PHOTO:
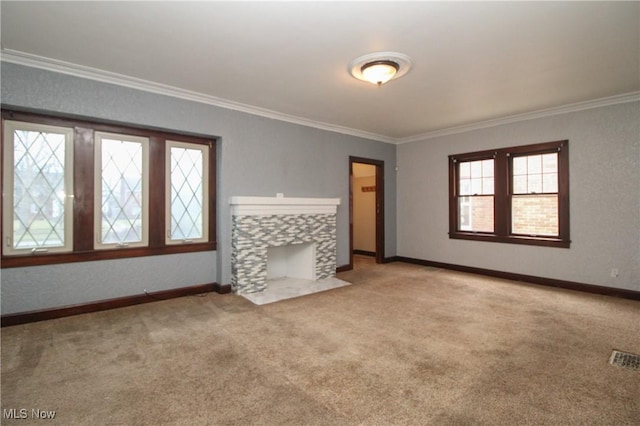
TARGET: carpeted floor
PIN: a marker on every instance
(403, 345)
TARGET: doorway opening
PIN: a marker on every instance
(366, 208)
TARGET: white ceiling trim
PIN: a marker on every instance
(54, 65)
(36, 61)
(579, 106)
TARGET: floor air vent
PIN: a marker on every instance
(625, 360)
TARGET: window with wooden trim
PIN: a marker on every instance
(187, 192)
(513, 195)
(476, 200)
(77, 190)
(37, 188)
(121, 191)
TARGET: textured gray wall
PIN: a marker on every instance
(51, 286)
(256, 156)
(604, 167)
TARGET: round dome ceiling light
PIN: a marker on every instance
(379, 68)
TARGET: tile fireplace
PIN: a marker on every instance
(278, 237)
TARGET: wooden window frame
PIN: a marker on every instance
(9, 176)
(481, 156)
(84, 182)
(144, 145)
(502, 195)
(205, 185)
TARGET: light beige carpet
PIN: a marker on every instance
(402, 345)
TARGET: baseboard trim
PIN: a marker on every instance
(365, 253)
(222, 288)
(550, 282)
(344, 268)
(103, 305)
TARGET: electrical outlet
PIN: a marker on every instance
(615, 272)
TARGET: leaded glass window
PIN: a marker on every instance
(77, 190)
(38, 186)
(122, 187)
(187, 192)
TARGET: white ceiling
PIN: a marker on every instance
(473, 61)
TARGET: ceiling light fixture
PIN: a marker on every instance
(379, 72)
(379, 68)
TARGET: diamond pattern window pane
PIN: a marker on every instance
(187, 192)
(38, 189)
(122, 196)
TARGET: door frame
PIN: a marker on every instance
(379, 165)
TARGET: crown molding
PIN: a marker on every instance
(62, 67)
(579, 106)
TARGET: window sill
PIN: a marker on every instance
(95, 255)
(532, 241)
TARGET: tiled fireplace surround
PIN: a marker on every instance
(262, 222)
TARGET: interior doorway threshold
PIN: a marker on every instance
(288, 288)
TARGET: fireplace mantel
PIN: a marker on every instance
(255, 206)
